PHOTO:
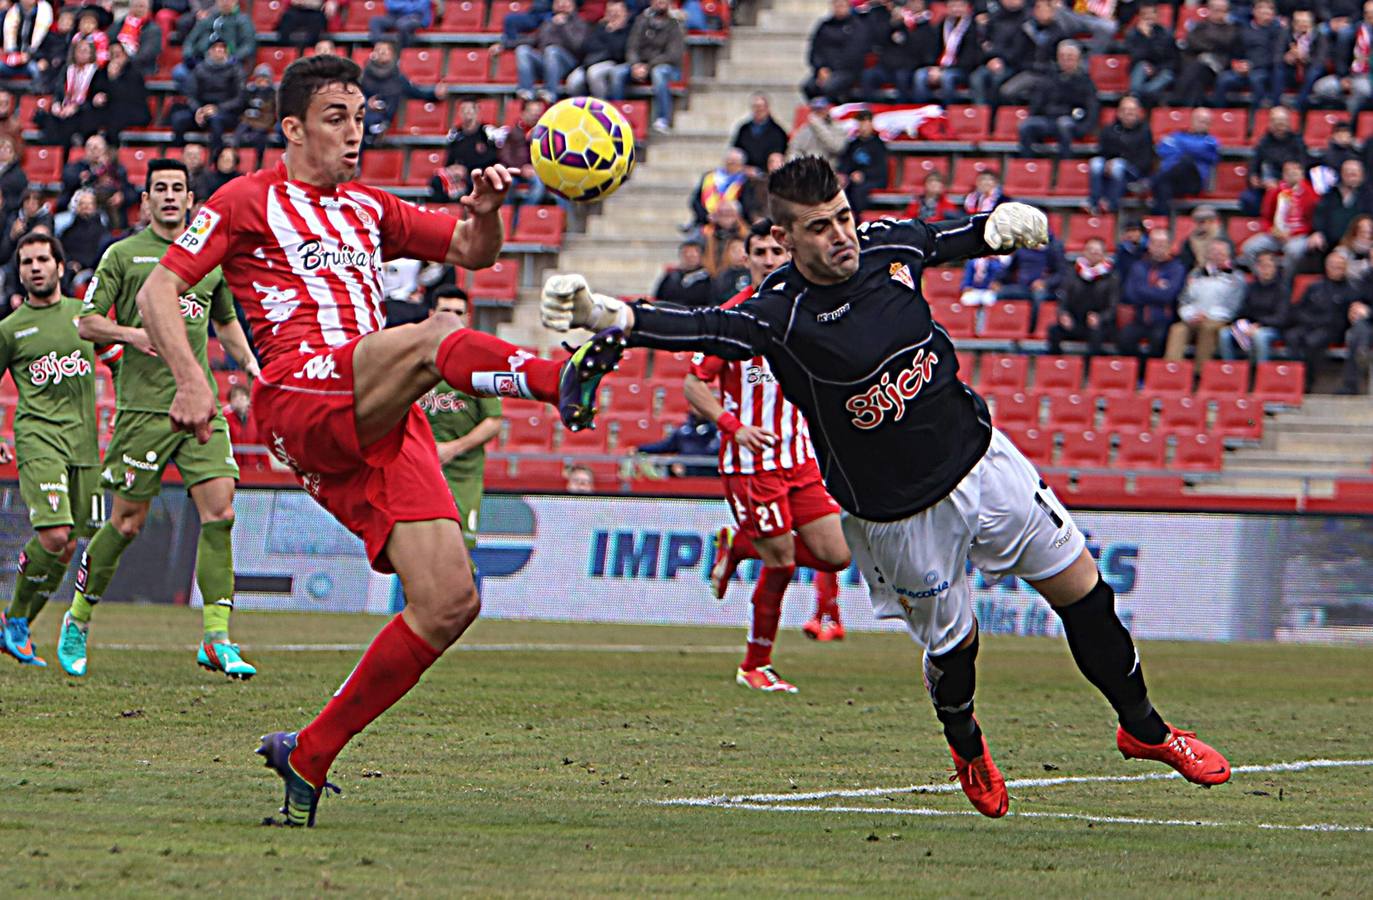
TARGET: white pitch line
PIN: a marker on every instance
(944, 787)
(465, 648)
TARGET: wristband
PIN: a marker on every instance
(728, 424)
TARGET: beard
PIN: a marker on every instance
(42, 293)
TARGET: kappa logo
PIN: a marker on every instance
(517, 359)
(319, 368)
(891, 394)
(902, 273)
(193, 239)
(833, 315)
(277, 303)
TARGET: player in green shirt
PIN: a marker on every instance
(54, 434)
(463, 425)
(144, 441)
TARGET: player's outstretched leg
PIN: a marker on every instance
(951, 679)
(757, 672)
(825, 624)
(98, 564)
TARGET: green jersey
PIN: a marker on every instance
(54, 372)
(453, 414)
(144, 383)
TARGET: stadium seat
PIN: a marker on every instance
(1181, 414)
(1299, 285)
(1279, 383)
(1197, 451)
(278, 58)
(422, 65)
(626, 396)
(670, 400)
(1058, 374)
(1111, 73)
(1036, 443)
(266, 14)
(505, 69)
(915, 168)
(1238, 417)
(1005, 373)
(966, 169)
(1074, 178)
(1100, 484)
(1167, 378)
(1048, 314)
(1128, 414)
(941, 284)
(955, 318)
(1222, 378)
(1112, 376)
(633, 364)
(1072, 411)
(1230, 181)
(135, 161)
(466, 16)
(360, 12)
(425, 117)
(1087, 449)
(588, 440)
(636, 114)
(502, 8)
(1008, 122)
(532, 431)
(497, 283)
(540, 225)
(670, 366)
(1164, 121)
(1017, 408)
(469, 67)
(1083, 227)
(1161, 487)
(1241, 228)
(1320, 124)
(1140, 450)
(969, 123)
(43, 165)
(1028, 177)
(967, 366)
(381, 167)
(540, 474)
(633, 431)
(1229, 126)
(1007, 320)
(422, 165)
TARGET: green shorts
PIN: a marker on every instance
(144, 443)
(58, 494)
(467, 494)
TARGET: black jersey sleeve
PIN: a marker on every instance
(737, 333)
(939, 242)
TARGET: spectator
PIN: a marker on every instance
(1004, 47)
(324, 47)
(733, 275)
(688, 284)
(654, 57)
(90, 20)
(694, 437)
(1095, 17)
(400, 21)
(178, 17)
(100, 172)
(1153, 56)
(581, 480)
(68, 114)
(225, 170)
(723, 185)
(119, 96)
(215, 88)
(760, 136)
(986, 194)
(1321, 316)
(819, 135)
(52, 54)
(1357, 247)
(227, 23)
(303, 22)
(193, 156)
(754, 202)
(1206, 226)
(385, 86)
(1258, 60)
(904, 40)
(1208, 49)
(1278, 145)
(1306, 55)
(238, 412)
(1186, 160)
(1151, 290)
(863, 165)
(605, 50)
(932, 204)
(527, 189)
(256, 110)
(141, 36)
(1357, 341)
(11, 123)
(32, 213)
(554, 52)
(838, 46)
(725, 224)
(1208, 304)
(1340, 148)
(1261, 317)
(958, 54)
(1288, 218)
(13, 181)
(1090, 294)
(1065, 105)
(1037, 55)
(1353, 68)
(981, 280)
(516, 24)
(1033, 274)
(472, 145)
(1132, 248)
(85, 237)
(1126, 155)
(26, 24)
(1340, 205)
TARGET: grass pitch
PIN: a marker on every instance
(537, 767)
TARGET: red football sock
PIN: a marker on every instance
(394, 661)
(827, 594)
(808, 560)
(478, 363)
(767, 613)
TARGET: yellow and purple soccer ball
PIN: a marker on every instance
(582, 149)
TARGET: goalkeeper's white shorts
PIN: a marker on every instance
(1001, 516)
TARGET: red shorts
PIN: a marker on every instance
(304, 410)
(768, 504)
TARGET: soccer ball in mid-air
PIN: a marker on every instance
(582, 148)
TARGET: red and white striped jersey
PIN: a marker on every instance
(750, 391)
(305, 262)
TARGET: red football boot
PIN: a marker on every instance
(1195, 760)
(982, 782)
(823, 628)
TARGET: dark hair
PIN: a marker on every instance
(448, 292)
(805, 181)
(165, 165)
(38, 237)
(235, 388)
(760, 229)
(308, 76)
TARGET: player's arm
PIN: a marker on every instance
(194, 404)
(100, 329)
(484, 432)
(704, 403)
(235, 343)
(95, 324)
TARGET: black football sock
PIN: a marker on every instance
(1104, 652)
(951, 679)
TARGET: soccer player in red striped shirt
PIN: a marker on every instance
(302, 246)
(773, 486)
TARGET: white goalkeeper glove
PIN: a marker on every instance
(569, 303)
(1013, 225)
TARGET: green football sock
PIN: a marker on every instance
(56, 572)
(97, 568)
(34, 564)
(214, 575)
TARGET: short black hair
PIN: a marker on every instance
(308, 76)
(165, 165)
(39, 237)
(448, 292)
(761, 228)
(805, 181)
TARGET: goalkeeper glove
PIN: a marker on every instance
(1013, 225)
(569, 303)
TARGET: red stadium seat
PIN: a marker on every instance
(1048, 314)
(1017, 408)
(1197, 452)
(1161, 487)
(1164, 121)
(955, 318)
(532, 431)
(636, 114)
(422, 166)
(1128, 414)
(1222, 378)
(1083, 227)
(942, 284)
(967, 366)
(588, 440)
(1320, 124)
(669, 366)
(540, 474)
(633, 364)
(360, 12)
(1073, 178)
(43, 165)
(278, 58)
(1180, 415)
(626, 396)
(1140, 450)
(1280, 383)
(505, 69)
(1239, 417)
(1087, 449)
(135, 161)
(915, 168)
(381, 167)
(502, 8)
(633, 431)
(966, 169)
(1229, 126)
(1230, 181)
(425, 117)
(469, 67)
(1028, 177)
(462, 16)
(1241, 228)
(422, 65)
(1111, 73)
(541, 225)
(1007, 320)
(1008, 121)
(969, 123)
(497, 283)
(1005, 373)
(1100, 484)
(1058, 374)
(1036, 443)
(1300, 284)
(1112, 376)
(1072, 411)
(266, 14)
(1167, 378)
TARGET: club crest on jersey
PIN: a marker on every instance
(902, 273)
(193, 239)
(891, 393)
(54, 368)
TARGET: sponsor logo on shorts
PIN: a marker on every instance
(54, 368)
(925, 594)
(148, 464)
(319, 368)
(833, 315)
(193, 239)
(58, 486)
(1065, 537)
(891, 393)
